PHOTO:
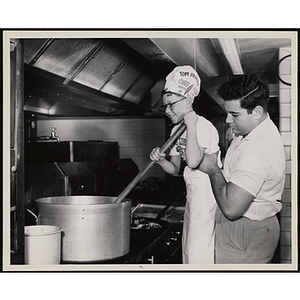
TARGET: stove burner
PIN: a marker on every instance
(144, 224)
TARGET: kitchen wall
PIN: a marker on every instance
(285, 122)
(136, 136)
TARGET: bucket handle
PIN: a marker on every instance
(35, 216)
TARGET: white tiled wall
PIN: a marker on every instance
(136, 137)
(286, 132)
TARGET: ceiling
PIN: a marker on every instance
(124, 77)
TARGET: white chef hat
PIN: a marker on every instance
(183, 80)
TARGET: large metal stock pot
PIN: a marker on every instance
(94, 227)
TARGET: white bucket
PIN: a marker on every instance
(42, 245)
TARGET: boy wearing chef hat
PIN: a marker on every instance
(181, 87)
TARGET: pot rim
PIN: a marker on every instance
(55, 230)
(59, 200)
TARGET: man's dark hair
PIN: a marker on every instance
(249, 89)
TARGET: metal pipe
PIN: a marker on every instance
(39, 138)
(71, 152)
(52, 137)
(56, 138)
(15, 146)
(17, 170)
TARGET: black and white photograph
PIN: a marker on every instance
(150, 150)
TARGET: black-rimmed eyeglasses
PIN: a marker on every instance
(170, 105)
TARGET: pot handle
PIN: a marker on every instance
(135, 207)
(35, 216)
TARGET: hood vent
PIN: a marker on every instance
(103, 75)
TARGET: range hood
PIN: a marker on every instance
(91, 77)
(124, 77)
(97, 77)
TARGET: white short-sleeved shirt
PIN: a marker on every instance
(256, 163)
(207, 137)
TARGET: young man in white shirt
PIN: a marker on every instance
(249, 189)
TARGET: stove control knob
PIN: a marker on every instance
(170, 240)
(176, 232)
(151, 260)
